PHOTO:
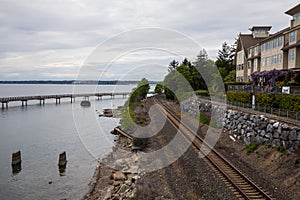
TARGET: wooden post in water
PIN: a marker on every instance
(62, 160)
(16, 158)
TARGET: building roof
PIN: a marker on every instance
(260, 27)
(247, 40)
(293, 10)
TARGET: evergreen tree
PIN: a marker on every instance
(225, 57)
(173, 64)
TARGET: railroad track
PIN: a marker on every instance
(241, 185)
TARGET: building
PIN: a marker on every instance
(262, 51)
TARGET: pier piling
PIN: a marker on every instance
(62, 160)
(16, 158)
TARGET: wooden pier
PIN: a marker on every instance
(42, 98)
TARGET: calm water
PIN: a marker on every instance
(42, 132)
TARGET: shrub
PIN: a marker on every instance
(281, 149)
(203, 119)
(281, 101)
(244, 97)
(251, 147)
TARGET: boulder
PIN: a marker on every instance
(276, 135)
(293, 135)
(275, 125)
(269, 128)
(284, 135)
(119, 176)
(276, 142)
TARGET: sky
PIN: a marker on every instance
(121, 40)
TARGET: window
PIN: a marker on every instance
(262, 62)
(274, 60)
(267, 61)
(255, 64)
(291, 55)
(263, 47)
(249, 64)
(249, 53)
(279, 58)
(296, 16)
(292, 36)
(240, 55)
(275, 43)
(268, 46)
(261, 31)
(280, 41)
(255, 51)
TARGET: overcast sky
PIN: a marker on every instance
(58, 39)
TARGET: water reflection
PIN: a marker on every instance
(16, 169)
(62, 170)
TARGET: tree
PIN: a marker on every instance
(159, 88)
(202, 58)
(225, 59)
(231, 77)
(173, 65)
(143, 88)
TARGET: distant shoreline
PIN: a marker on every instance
(73, 82)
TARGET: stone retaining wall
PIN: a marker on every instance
(250, 127)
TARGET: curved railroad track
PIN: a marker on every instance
(241, 185)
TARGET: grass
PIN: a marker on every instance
(250, 148)
(281, 149)
(203, 119)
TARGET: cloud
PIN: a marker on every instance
(58, 36)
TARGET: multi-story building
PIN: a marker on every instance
(262, 51)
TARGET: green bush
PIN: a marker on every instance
(159, 88)
(251, 147)
(244, 97)
(203, 119)
(281, 149)
(281, 101)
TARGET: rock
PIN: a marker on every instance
(269, 128)
(285, 126)
(108, 194)
(262, 133)
(288, 145)
(247, 140)
(128, 182)
(272, 121)
(135, 178)
(116, 183)
(123, 188)
(259, 139)
(293, 135)
(284, 135)
(276, 135)
(119, 176)
(269, 136)
(275, 125)
(276, 142)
